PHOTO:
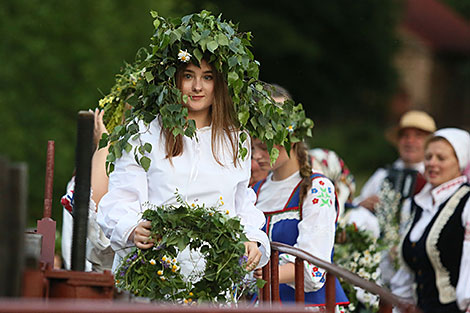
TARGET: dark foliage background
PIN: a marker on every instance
(59, 57)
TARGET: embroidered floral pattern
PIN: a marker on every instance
(323, 194)
(67, 201)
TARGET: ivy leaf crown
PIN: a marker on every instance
(149, 87)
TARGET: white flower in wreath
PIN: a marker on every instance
(184, 56)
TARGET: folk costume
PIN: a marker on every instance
(309, 226)
(195, 175)
(436, 249)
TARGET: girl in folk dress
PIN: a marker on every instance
(300, 209)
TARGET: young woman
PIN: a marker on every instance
(436, 248)
(201, 169)
(302, 214)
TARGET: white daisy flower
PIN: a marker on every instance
(184, 56)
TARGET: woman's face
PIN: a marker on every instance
(441, 164)
(261, 155)
(198, 84)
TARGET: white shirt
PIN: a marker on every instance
(196, 176)
(317, 227)
(429, 200)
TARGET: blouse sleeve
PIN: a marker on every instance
(463, 285)
(251, 217)
(120, 209)
(316, 231)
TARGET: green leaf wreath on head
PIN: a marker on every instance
(153, 91)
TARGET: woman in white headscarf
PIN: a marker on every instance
(436, 248)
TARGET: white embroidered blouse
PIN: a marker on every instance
(195, 175)
(317, 227)
(430, 199)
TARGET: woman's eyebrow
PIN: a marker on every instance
(205, 72)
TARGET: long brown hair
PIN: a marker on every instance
(223, 120)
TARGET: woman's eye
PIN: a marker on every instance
(208, 77)
(187, 76)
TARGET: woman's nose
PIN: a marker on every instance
(431, 161)
(197, 86)
(255, 154)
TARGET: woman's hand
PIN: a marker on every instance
(141, 235)
(253, 254)
(370, 202)
(258, 273)
(99, 128)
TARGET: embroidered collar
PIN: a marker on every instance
(433, 197)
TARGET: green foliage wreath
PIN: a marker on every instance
(150, 87)
(155, 273)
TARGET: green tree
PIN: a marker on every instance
(59, 57)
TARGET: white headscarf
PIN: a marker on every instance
(460, 141)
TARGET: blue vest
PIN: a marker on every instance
(286, 231)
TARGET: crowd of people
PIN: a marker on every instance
(297, 199)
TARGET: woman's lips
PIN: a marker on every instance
(197, 97)
(432, 174)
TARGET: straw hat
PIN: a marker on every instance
(412, 119)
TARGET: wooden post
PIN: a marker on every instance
(330, 293)
(4, 227)
(17, 220)
(299, 280)
(13, 194)
(266, 290)
(83, 154)
(46, 226)
(275, 297)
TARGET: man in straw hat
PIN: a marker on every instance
(409, 137)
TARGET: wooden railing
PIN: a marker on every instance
(270, 292)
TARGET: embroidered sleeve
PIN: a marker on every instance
(316, 230)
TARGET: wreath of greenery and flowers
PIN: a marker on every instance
(150, 87)
(156, 274)
(359, 252)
